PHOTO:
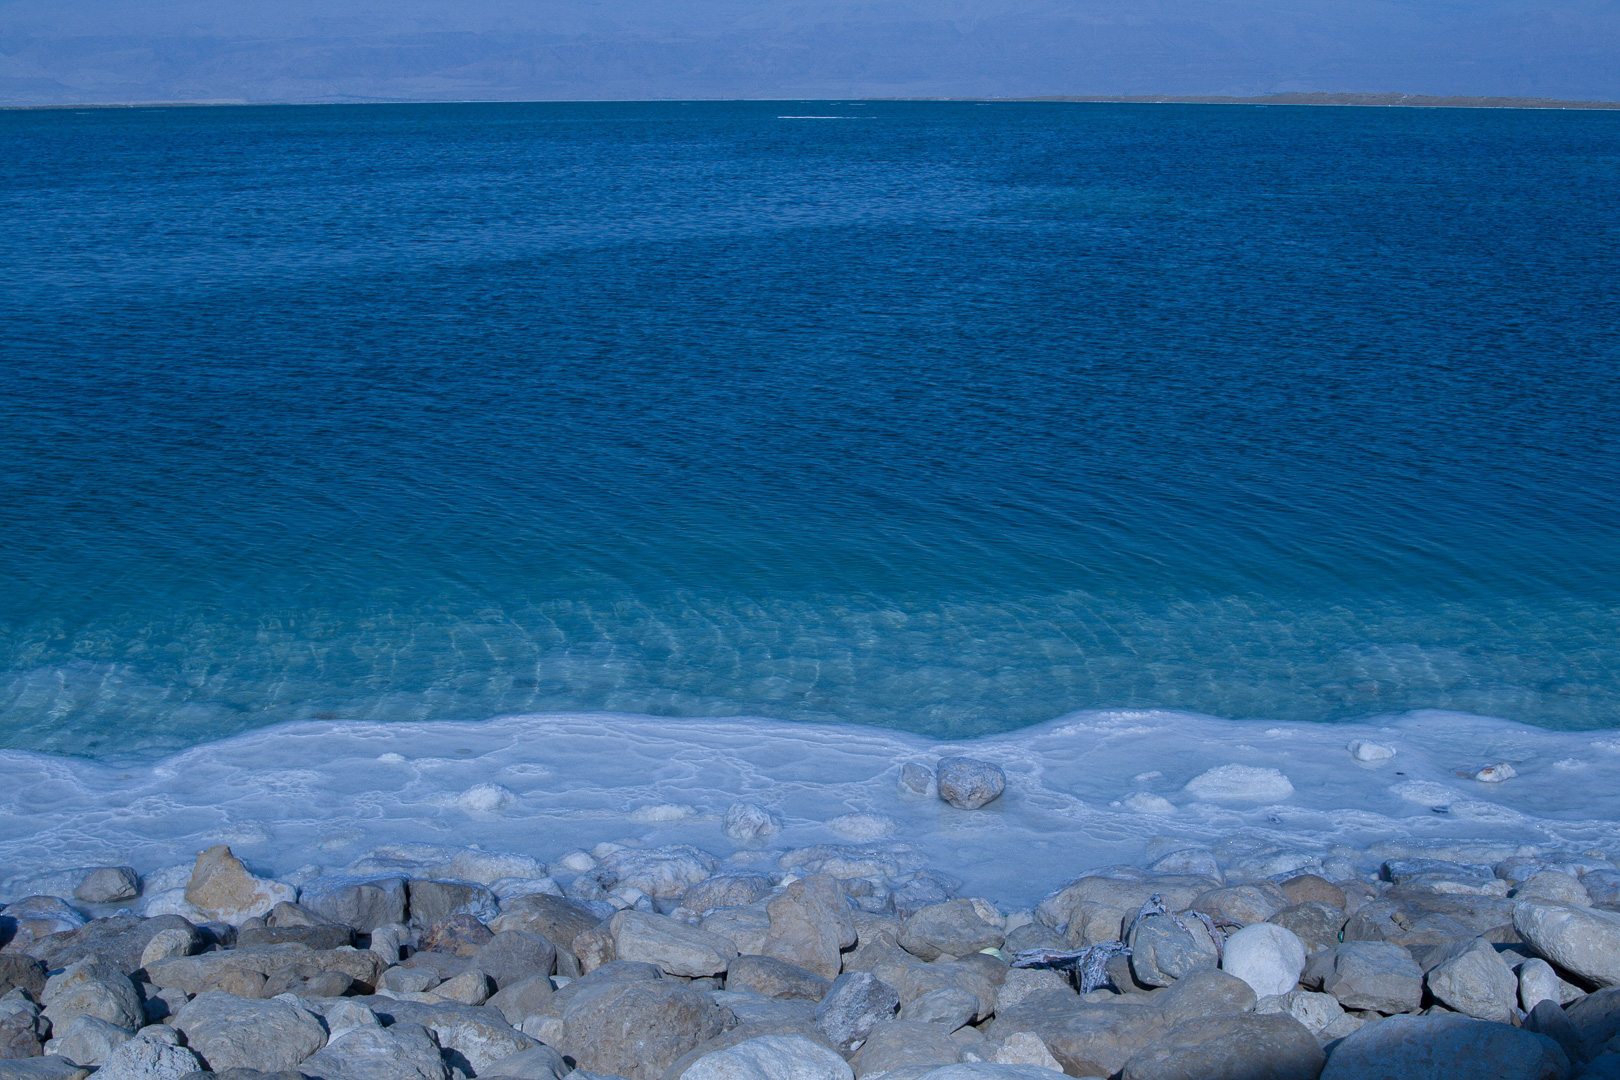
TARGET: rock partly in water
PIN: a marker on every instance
(108, 885)
(746, 822)
(223, 888)
(363, 903)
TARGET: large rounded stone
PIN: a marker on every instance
(957, 927)
(1243, 1047)
(1442, 1046)
(1266, 956)
(230, 1032)
(968, 783)
(1163, 950)
(637, 1029)
(1583, 940)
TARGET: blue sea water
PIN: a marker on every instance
(947, 417)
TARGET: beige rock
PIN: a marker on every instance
(221, 886)
(1025, 1048)
(810, 926)
(675, 947)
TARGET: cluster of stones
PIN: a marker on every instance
(662, 964)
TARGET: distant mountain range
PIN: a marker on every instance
(121, 51)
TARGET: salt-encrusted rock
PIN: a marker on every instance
(1552, 887)
(92, 988)
(1240, 783)
(1266, 956)
(522, 999)
(810, 925)
(1374, 975)
(1585, 941)
(535, 1063)
(895, 1045)
(675, 947)
(1495, 774)
(1316, 925)
(968, 783)
(1317, 1012)
(471, 987)
(857, 1002)
(515, 954)
(431, 901)
(1190, 862)
(34, 919)
(401, 1052)
(230, 1032)
(664, 873)
(147, 1058)
(221, 886)
(923, 890)
(87, 1040)
(745, 822)
(775, 979)
(1251, 902)
(1444, 1045)
(17, 970)
(363, 903)
(108, 885)
(478, 1035)
(770, 1057)
(957, 927)
(950, 1006)
(1024, 1048)
(1373, 753)
(1471, 977)
(916, 779)
(637, 1029)
(726, 890)
(1254, 1047)
(1164, 950)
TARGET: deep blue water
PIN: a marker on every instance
(943, 416)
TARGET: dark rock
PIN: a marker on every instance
(968, 783)
(108, 885)
(857, 1002)
(17, 970)
(119, 941)
(363, 903)
(1444, 1045)
(1243, 1047)
(459, 935)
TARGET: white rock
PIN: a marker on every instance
(1266, 956)
(486, 799)
(749, 821)
(863, 826)
(576, 861)
(771, 1057)
(1240, 783)
(1495, 774)
(146, 1058)
(165, 944)
(1538, 982)
(1369, 751)
(1145, 802)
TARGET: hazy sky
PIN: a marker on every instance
(58, 51)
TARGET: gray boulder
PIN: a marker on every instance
(535, 1063)
(42, 1068)
(1203, 994)
(92, 988)
(120, 941)
(87, 1040)
(775, 979)
(968, 783)
(23, 1030)
(1585, 941)
(231, 1032)
(1163, 950)
(512, 955)
(1318, 1012)
(363, 903)
(144, 1058)
(1471, 977)
(522, 999)
(674, 946)
(896, 1044)
(637, 1029)
(950, 1006)
(432, 900)
(770, 1057)
(956, 927)
(810, 925)
(1444, 1045)
(1243, 1047)
(1375, 975)
(1241, 905)
(857, 1003)
(912, 979)
(108, 885)
(1596, 1019)
(401, 1052)
(195, 974)
(1553, 887)
(989, 1070)
(1549, 1020)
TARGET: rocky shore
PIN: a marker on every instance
(834, 962)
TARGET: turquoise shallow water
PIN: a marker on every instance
(944, 417)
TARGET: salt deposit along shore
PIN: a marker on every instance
(1127, 894)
